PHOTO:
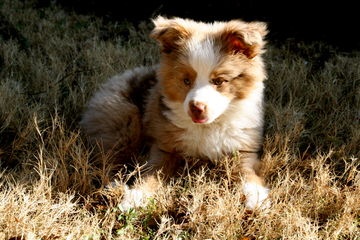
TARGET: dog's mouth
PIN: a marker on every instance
(198, 112)
(198, 116)
(199, 119)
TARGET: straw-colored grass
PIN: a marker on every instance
(51, 186)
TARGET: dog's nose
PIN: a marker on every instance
(197, 107)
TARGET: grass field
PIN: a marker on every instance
(51, 62)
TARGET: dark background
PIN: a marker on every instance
(334, 22)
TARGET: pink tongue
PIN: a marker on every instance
(195, 120)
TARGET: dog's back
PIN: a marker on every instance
(113, 118)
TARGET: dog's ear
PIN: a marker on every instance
(239, 37)
(169, 32)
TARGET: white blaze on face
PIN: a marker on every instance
(203, 58)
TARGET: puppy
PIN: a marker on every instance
(204, 100)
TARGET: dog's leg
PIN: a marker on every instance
(254, 186)
(140, 193)
(160, 165)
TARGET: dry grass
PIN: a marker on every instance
(51, 61)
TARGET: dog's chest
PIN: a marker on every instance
(212, 142)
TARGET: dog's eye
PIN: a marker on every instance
(218, 81)
(187, 81)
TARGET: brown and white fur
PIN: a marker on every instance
(204, 100)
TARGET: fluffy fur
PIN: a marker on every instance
(203, 100)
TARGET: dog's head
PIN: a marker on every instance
(207, 66)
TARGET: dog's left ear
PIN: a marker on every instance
(240, 37)
(169, 32)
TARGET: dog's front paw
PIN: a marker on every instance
(256, 196)
(134, 198)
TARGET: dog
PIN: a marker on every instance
(204, 100)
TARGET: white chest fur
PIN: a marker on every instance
(217, 140)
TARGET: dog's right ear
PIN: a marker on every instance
(244, 38)
(169, 32)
